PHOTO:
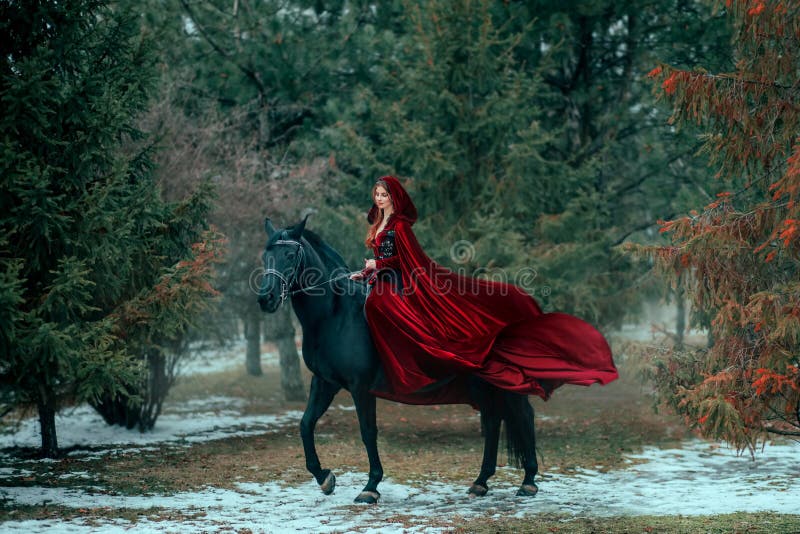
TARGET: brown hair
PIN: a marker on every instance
(373, 229)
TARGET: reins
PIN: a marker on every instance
(286, 284)
(345, 275)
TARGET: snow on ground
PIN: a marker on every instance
(204, 359)
(699, 479)
(655, 332)
(211, 418)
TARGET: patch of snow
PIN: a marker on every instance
(210, 419)
(654, 332)
(211, 404)
(202, 359)
(698, 479)
(75, 474)
(8, 472)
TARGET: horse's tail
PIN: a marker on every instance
(520, 432)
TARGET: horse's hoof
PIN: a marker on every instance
(329, 484)
(476, 490)
(368, 497)
(528, 490)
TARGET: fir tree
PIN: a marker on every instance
(527, 130)
(738, 256)
(452, 107)
(96, 272)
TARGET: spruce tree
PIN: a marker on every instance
(529, 132)
(96, 272)
(737, 257)
(451, 106)
(248, 84)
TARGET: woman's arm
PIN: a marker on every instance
(369, 267)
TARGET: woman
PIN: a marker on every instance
(432, 326)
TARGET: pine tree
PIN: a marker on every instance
(738, 256)
(623, 163)
(528, 131)
(451, 106)
(249, 84)
(96, 272)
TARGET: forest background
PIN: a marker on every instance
(145, 142)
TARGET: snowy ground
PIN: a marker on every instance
(700, 478)
(212, 359)
(213, 418)
(696, 480)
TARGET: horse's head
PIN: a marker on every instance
(283, 261)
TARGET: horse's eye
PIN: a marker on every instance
(290, 255)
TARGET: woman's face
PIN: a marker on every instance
(382, 198)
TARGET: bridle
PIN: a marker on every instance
(287, 283)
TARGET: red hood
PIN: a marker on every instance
(403, 206)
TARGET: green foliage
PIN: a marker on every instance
(451, 105)
(528, 130)
(85, 230)
(738, 257)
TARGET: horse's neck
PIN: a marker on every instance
(315, 305)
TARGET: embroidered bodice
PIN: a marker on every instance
(386, 249)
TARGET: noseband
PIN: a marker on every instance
(287, 283)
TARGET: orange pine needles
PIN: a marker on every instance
(739, 258)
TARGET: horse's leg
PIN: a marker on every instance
(523, 419)
(366, 410)
(319, 399)
(491, 428)
(487, 400)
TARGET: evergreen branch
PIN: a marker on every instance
(729, 77)
(282, 6)
(648, 175)
(201, 28)
(783, 432)
(359, 21)
(248, 72)
(638, 228)
(205, 94)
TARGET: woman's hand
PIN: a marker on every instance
(369, 264)
(357, 276)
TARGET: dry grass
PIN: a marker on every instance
(761, 523)
(593, 427)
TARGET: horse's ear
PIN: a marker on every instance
(268, 227)
(298, 228)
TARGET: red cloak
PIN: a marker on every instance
(438, 326)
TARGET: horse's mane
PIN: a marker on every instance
(327, 253)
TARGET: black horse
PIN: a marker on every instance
(338, 350)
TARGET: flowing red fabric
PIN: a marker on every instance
(441, 326)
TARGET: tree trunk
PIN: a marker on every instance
(680, 319)
(152, 390)
(159, 381)
(252, 333)
(47, 422)
(282, 331)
